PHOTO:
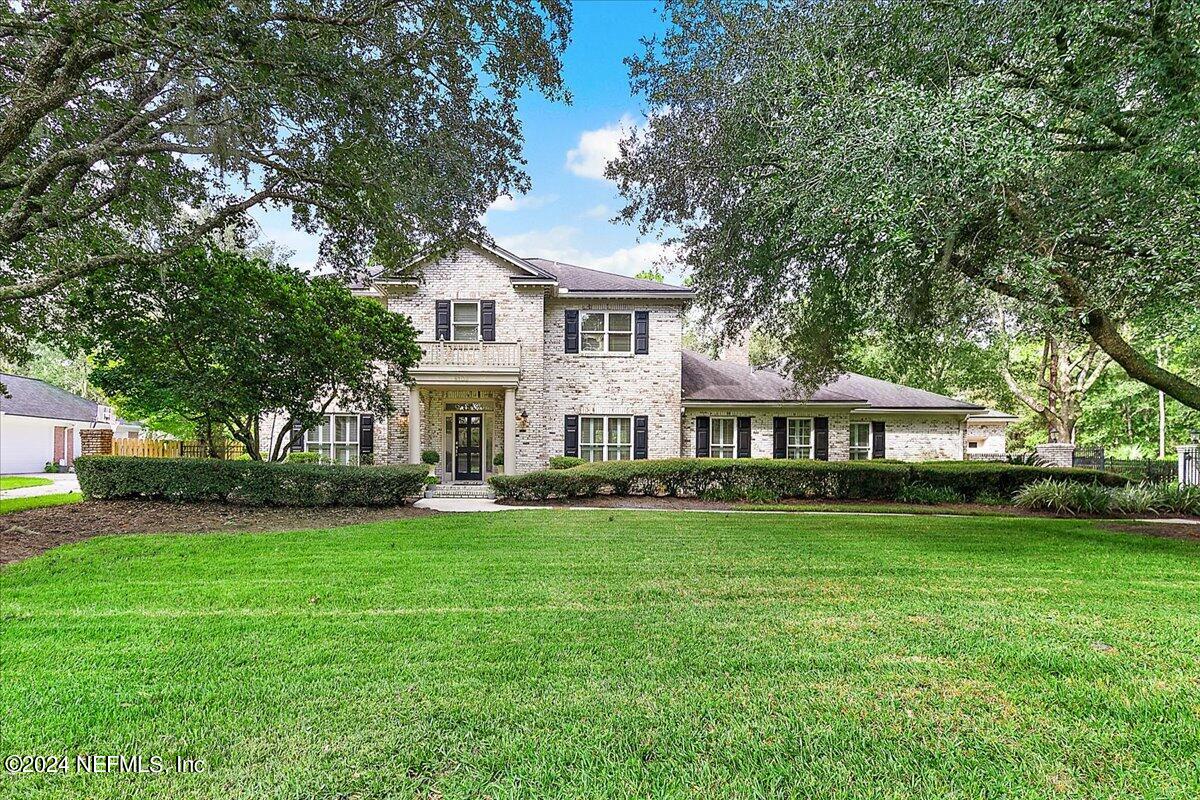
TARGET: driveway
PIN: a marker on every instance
(63, 483)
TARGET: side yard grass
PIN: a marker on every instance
(21, 482)
(38, 501)
(614, 654)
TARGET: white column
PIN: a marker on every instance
(510, 431)
(414, 425)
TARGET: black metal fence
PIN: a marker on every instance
(1149, 470)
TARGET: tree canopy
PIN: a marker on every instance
(222, 339)
(130, 129)
(843, 166)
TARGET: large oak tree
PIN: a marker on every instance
(129, 129)
(834, 163)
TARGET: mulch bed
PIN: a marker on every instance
(24, 534)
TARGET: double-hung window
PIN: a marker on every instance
(464, 320)
(335, 439)
(722, 442)
(860, 441)
(799, 437)
(606, 332)
(606, 438)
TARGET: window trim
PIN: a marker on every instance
(333, 442)
(606, 440)
(868, 448)
(607, 333)
(812, 440)
(712, 439)
(454, 304)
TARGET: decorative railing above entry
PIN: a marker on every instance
(471, 355)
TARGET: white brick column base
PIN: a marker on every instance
(1056, 454)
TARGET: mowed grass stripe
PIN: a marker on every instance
(616, 655)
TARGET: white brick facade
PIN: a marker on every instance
(549, 384)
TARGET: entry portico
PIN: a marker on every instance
(469, 389)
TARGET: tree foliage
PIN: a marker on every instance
(223, 339)
(130, 129)
(841, 166)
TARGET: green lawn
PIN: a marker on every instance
(615, 654)
(38, 501)
(21, 482)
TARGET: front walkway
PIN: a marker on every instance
(63, 483)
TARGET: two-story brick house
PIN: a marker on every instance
(526, 358)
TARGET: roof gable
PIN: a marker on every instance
(29, 397)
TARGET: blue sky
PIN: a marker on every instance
(566, 214)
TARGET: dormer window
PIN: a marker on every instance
(464, 321)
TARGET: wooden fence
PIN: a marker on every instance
(174, 448)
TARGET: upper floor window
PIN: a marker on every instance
(722, 437)
(860, 441)
(464, 321)
(335, 439)
(606, 438)
(606, 332)
(799, 438)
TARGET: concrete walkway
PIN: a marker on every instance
(467, 504)
(63, 483)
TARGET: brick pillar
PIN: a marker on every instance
(96, 442)
(1056, 454)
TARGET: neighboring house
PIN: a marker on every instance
(986, 434)
(40, 423)
(527, 358)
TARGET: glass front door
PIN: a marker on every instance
(468, 447)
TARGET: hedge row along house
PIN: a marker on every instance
(528, 358)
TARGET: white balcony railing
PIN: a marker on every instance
(471, 355)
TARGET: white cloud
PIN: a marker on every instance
(505, 202)
(632, 260)
(596, 148)
(559, 244)
(600, 211)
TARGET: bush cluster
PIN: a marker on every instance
(565, 462)
(768, 479)
(1062, 497)
(247, 482)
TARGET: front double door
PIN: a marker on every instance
(468, 447)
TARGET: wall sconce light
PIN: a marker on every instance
(522, 420)
(402, 423)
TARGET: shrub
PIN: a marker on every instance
(498, 459)
(925, 494)
(304, 457)
(51, 467)
(1146, 498)
(768, 479)
(565, 462)
(430, 457)
(247, 482)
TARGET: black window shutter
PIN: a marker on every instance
(701, 437)
(641, 333)
(878, 440)
(366, 438)
(442, 319)
(779, 438)
(571, 435)
(641, 438)
(487, 320)
(298, 433)
(571, 339)
(821, 438)
(743, 437)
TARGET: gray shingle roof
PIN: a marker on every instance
(29, 397)
(706, 379)
(574, 278)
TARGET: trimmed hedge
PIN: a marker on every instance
(565, 462)
(768, 479)
(249, 483)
